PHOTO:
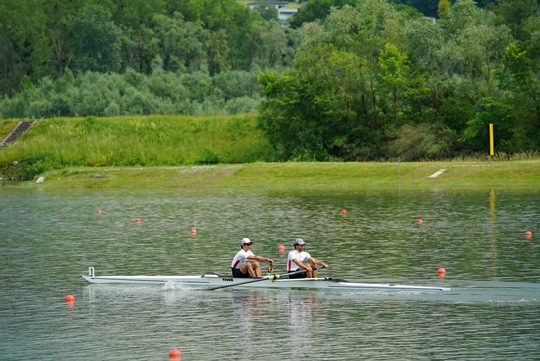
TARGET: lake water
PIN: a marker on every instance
(48, 239)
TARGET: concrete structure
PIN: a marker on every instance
(284, 13)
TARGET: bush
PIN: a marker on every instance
(209, 157)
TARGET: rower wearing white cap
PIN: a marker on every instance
(296, 259)
(242, 267)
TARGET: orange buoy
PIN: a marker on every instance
(99, 211)
(175, 353)
(281, 248)
(70, 298)
(343, 211)
(441, 271)
(137, 220)
(528, 234)
(193, 231)
(420, 221)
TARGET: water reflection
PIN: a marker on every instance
(48, 239)
(304, 309)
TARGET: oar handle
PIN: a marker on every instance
(239, 284)
(270, 277)
(287, 275)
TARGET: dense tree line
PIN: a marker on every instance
(319, 9)
(41, 39)
(347, 80)
(374, 82)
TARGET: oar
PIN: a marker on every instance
(269, 277)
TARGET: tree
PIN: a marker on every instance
(521, 76)
(316, 111)
(515, 13)
(504, 123)
(183, 44)
(475, 47)
(24, 43)
(443, 8)
(317, 10)
(394, 75)
(96, 40)
(266, 10)
(428, 8)
(57, 25)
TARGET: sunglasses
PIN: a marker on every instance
(248, 244)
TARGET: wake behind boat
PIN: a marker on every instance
(212, 281)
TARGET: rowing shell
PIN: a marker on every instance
(215, 281)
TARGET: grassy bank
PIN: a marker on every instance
(146, 141)
(511, 175)
(176, 152)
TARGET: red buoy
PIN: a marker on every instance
(99, 211)
(175, 353)
(137, 220)
(441, 271)
(344, 211)
(70, 298)
(528, 234)
(420, 221)
(193, 231)
(281, 248)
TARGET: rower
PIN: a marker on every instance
(242, 266)
(296, 259)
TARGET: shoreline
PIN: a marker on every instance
(452, 175)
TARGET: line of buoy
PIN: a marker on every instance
(138, 220)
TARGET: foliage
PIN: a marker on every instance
(133, 93)
(426, 92)
(422, 141)
(95, 40)
(44, 38)
(504, 123)
(443, 7)
(266, 10)
(344, 82)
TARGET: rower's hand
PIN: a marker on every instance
(271, 261)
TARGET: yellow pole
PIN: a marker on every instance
(491, 147)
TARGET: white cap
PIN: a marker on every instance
(246, 240)
(299, 241)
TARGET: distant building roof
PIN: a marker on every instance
(284, 13)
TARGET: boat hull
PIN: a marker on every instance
(211, 281)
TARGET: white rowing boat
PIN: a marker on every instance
(214, 281)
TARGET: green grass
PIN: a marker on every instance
(6, 127)
(177, 152)
(464, 175)
(139, 141)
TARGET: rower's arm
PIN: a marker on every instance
(320, 263)
(261, 259)
(299, 264)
